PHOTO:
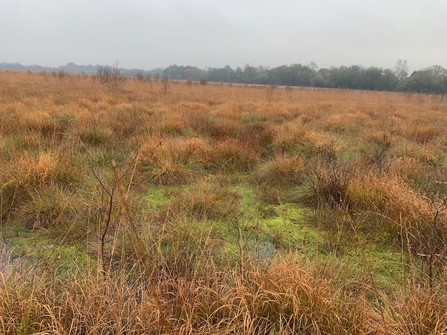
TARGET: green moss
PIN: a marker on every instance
(289, 231)
(248, 203)
(157, 196)
(272, 228)
(388, 266)
(39, 251)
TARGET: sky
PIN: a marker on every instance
(149, 34)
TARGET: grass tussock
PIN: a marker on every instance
(282, 170)
(169, 162)
(208, 199)
(28, 177)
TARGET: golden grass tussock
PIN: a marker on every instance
(167, 169)
(426, 154)
(383, 195)
(207, 199)
(212, 125)
(35, 170)
(50, 208)
(24, 175)
(295, 138)
(171, 161)
(341, 122)
(282, 170)
(203, 174)
(232, 156)
(38, 191)
(420, 131)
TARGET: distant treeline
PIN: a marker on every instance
(429, 80)
(71, 68)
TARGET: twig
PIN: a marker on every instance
(140, 247)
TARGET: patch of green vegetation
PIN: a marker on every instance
(157, 196)
(289, 231)
(381, 266)
(389, 266)
(28, 141)
(267, 229)
(37, 250)
(248, 202)
(285, 228)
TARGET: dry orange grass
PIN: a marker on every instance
(367, 155)
(286, 297)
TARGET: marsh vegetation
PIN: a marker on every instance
(173, 207)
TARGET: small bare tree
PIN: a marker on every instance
(139, 75)
(165, 84)
(269, 93)
(111, 77)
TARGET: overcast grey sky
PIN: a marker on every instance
(213, 33)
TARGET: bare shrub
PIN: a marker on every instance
(165, 85)
(328, 182)
(139, 75)
(61, 74)
(269, 93)
(427, 229)
(111, 77)
(379, 155)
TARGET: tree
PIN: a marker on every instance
(373, 78)
(401, 69)
(239, 75)
(388, 81)
(313, 66)
(231, 76)
(317, 80)
(250, 74)
(437, 70)
(429, 80)
(305, 76)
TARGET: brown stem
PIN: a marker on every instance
(140, 248)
